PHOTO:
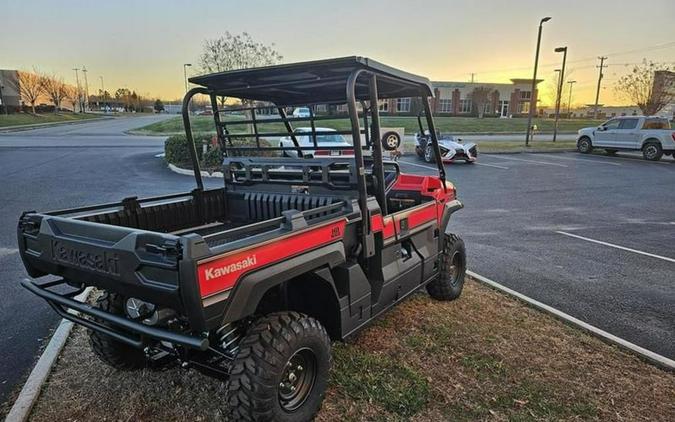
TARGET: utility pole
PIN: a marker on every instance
(597, 92)
(102, 94)
(472, 75)
(533, 103)
(86, 89)
(569, 102)
(79, 90)
(560, 85)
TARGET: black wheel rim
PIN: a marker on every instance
(297, 380)
(455, 267)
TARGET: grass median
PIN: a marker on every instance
(443, 123)
(482, 357)
(21, 119)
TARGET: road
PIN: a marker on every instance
(593, 236)
(62, 167)
(531, 222)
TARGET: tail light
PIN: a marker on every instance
(321, 152)
(347, 152)
(672, 135)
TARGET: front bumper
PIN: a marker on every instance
(117, 327)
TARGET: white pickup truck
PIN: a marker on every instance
(652, 135)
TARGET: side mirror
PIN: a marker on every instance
(601, 128)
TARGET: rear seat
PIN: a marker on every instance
(264, 206)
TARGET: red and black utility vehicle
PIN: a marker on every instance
(251, 281)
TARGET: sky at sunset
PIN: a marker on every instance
(142, 45)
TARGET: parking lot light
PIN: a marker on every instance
(185, 66)
(560, 85)
(533, 104)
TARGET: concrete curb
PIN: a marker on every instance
(10, 129)
(188, 172)
(647, 355)
(23, 405)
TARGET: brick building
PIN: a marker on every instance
(454, 99)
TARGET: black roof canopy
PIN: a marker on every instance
(312, 82)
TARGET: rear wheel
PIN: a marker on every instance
(652, 151)
(452, 270)
(281, 370)
(429, 154)
(584, 145)
(114, 353)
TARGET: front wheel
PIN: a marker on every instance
(652, 151)
(429, 156)
(281, 370)
(584, 145)
(451, 270)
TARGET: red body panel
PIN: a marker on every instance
(222, 273)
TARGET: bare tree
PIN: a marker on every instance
(72, 95)
(480, 97)
(55, 89)
(649, 85)
(30, 87)
(230, 52)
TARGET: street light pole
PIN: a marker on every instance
(569, 102)
(86, 89)
(533, 104)
(79, 90)
(185, 66)
(560, 84)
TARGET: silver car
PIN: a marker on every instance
(304, 137)
(452, 148)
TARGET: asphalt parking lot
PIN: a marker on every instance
(593, 236)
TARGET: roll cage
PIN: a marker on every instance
(352, 81)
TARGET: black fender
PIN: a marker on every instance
(252, 287)
(450, 208)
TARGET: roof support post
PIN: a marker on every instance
(378, 168)
(368, 243)
(289, 129)
(192, 149)
(434, 140)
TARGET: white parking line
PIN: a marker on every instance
(7, 252)
(612, 245)
(529, 161)
(491, 165)
(418, 165)
(580, 159)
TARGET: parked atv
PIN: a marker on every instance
(451, 148)
(252, 281)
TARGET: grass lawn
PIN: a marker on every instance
(507, 146)
(18, 119)
(482, 357)
(445, 124)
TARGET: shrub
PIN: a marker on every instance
(176, 150)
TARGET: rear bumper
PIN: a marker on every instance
(115, 326)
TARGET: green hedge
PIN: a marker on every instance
(176, 150)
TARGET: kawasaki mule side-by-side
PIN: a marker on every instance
(250, 282)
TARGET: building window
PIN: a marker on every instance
(487, 108)
(383, 106)
(445, 105)
(403, 105)
(525, 95)
(524, 107)
(465, 106)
